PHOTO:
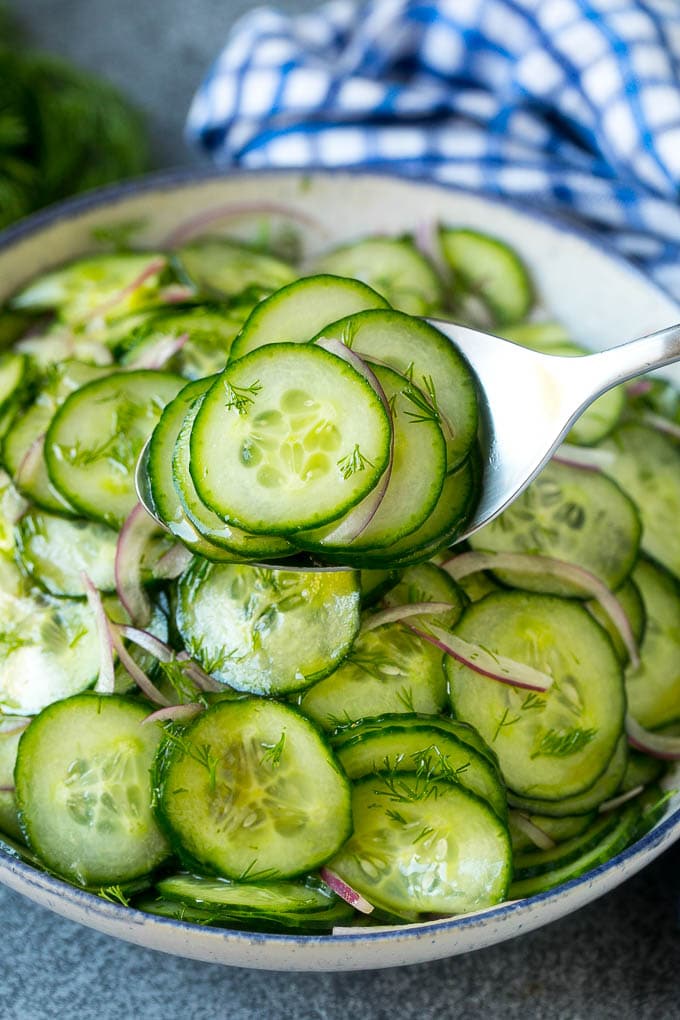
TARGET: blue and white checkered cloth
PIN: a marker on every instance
(573, 104)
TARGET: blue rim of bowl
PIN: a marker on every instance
(663, 833)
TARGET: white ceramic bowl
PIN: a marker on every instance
(600, 298)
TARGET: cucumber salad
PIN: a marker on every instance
(288, 701)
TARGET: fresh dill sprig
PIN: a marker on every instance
(562, 743)
(202, 754)
(239, 398)
(424, 401)
(353, 462)
(505, 722)
(114, 894)
(273, 752)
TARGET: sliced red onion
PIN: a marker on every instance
(174, 713)
(587, 457)
(175, 294)
(31, 459)
(496, 667)
(426, 238)
(345, 891)
(134, 536)
(105, 680)
(395, 614)
(657, 745)
(623, 798)
(155, 266)
(173, 563)
(135, 670)
(639, 387)
(199, 676)
(232, 211)
(7, 789)
(527, 563)
(661, 424)
(537, 836)
(158, 354)
(357, 520)
(149, 642)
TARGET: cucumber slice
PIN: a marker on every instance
(109, 286)
(20, 449)
(424, 846)
(389, 669)
(55, 551)
(603, 789)
(653, 689)
(488, 270)
(248, 898)
(631, 601)
(557, 829)
(220, 268)
(539, 870)
(298, 311)
(263, 630)
(569, 514)
(416, 481)
(209, 332)
(317, 922)
(553, 744)
(250, 790)
(647, 467)
(374, 584)
(289, 437)
(61, 342)
(426, 582)
(83, 789)
(236, 544)
(13, 377)
(12, 506)
(443, 382)
(94, 440)
(428, 751)
(11, 728)
(392, 266)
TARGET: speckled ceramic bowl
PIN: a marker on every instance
(600, 298)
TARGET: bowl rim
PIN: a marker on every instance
(632, 859)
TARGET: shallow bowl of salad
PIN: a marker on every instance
(285, 721)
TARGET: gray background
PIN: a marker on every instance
(619, 957)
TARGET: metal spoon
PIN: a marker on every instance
(531, 400)
(529, 403)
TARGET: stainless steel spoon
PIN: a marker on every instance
(531, 400)
(529, 403)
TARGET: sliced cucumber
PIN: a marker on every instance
(263, 630)
(251, 791)
(553, 744)
(427, 582)
(486, 269)
(569, 514)
(392, 266)
(389, 669)
(444, 387)
(647, 467)
(208, 333)
(56, 551)
(557, 829)
(108, 286)
(289, 437)
(11, 728)
(94, 440)
(305, 896)
(631, 602)
(298, 311)
(83, 789)
(220, 268)
(653, 689)
(418, 473)
(422, 845)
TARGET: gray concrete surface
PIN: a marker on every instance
(619, 957)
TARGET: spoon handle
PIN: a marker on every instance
(619, 364)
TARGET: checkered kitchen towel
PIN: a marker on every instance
(574, 104)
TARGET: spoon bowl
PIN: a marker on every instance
(529, 402)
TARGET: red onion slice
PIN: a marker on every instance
(357, 520)
(199, 676)
(661, 424)
(657, 745)
(232, 211)
(7, 789)
(537, 836)
(30, 460)
(395, 614)
(147, 641)
(639, 387)
(623, 798)
(105, 680)
(345, 891)
(159, 353)
(134, 536)
(174, 713)
(175, 294)
(586, 457)
(154, 267)
(528, 563)
(173, 563)
(135, 670)
(484, 662)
